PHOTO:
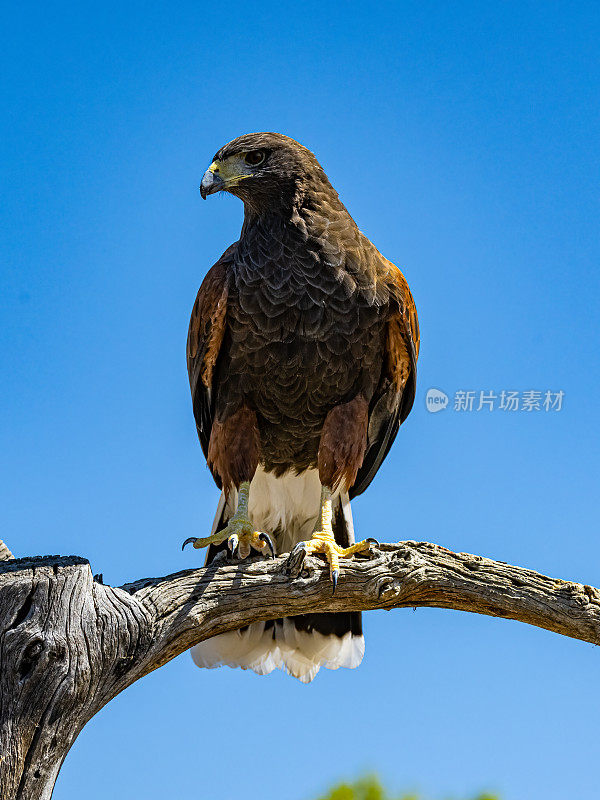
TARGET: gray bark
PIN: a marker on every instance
(5, 553)
(69, 644)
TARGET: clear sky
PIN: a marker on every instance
(464, 140)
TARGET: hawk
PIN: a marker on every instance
(302, 353)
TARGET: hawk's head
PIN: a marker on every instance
(265, 170)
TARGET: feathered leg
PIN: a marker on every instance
(233, 455)
(341, 452)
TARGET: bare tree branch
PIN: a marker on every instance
(5, 553)
(194, 605)
(69, 644)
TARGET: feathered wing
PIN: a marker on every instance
(205, 336)
(395, 392)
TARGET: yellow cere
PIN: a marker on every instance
(232, 170)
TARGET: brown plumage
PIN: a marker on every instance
(343, 442)
(303, 340)
(234, 447)
(311, 313)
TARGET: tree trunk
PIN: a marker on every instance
(69, 644)
(65, 649)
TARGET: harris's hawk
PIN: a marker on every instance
(302, 353)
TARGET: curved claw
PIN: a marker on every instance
(191, 540)
(264, 537)
(372, 541)
(334, 579)
(233, 542)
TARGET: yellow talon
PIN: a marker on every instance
(323, 541)
(239, 532)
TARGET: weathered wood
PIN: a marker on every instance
(5, 553)
(69, 644)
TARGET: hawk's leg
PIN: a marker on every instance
(233, 455)
(341, 452)
(239, 531)
(323, 541)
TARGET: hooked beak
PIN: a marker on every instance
(211, 183)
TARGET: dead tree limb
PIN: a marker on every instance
(5, 553)
(69, 644)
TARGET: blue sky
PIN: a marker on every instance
(464, 140)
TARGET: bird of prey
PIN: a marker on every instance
(302, 352)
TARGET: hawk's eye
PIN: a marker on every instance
(255, 157)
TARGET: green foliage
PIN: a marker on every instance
(370, 788)
(363, 789)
